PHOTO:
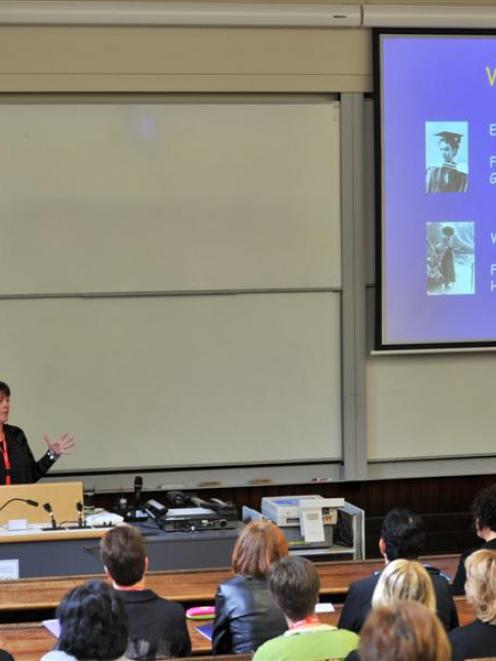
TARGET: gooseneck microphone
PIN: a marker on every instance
(48, 508)
(28, 501)
(138, 487)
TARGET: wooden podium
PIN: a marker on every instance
(62, 496)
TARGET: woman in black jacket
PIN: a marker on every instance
(478, 640)
(245, 612)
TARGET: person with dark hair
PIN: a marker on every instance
(446, 178)
(93, 625)
(294, 582)
(408, 631)
(402, 536)
(17, 464)
(157, 627)
(484, 517)
(245, 612)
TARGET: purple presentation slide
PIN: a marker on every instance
(438, 133)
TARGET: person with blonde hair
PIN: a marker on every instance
(246, 614)
(408, 631)
(402, 536)
(404, 580)
(478, 639)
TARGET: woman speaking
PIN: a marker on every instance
(17, 464)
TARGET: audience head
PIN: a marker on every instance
(408, 631)
(484, 511)
(123, 554)
(404, 580)
(93, 622)
(402, 535)
(259, 545)
(4, 389)
(294, 583)
(480, 586)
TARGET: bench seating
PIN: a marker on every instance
(193, 586)
(28, 642)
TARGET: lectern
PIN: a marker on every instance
(61, 497)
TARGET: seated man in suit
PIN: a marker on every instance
(484, 514)
(402, 536)
(157, 627)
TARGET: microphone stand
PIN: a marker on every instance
(48, 508)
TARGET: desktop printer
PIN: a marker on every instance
(317, 525)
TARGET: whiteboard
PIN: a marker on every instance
(428, 406)
(192, 194)
(177, 380)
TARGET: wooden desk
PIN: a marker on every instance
(27, 642)
(193, 586)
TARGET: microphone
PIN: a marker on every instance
(48, 508)
(79, 507)
(138, 486)
(28, 501)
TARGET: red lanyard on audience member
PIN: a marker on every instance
(310, 619)
(5, 455)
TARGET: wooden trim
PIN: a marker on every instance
(192, 586)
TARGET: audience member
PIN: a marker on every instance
(93, 625)
(406, 632)
(484, 516)
(404, 580)
(5, 656)
(478, 640)
(245, 612)
(157, 627)
(294, 582)
(402, 536)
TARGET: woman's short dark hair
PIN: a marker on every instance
(4, 389)
(295, 584)
(93, 622)
(484, 508)
(123, 553)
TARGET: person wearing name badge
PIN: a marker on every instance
(17, 463)
(294, 582)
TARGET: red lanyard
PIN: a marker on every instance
(5, 455)
(310, 619)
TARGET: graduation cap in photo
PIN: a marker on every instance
(451, 137)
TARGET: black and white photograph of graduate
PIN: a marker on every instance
(450, 258)
(446, 156)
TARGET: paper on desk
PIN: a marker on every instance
(325, 607)
(312, 525)
(53, 627)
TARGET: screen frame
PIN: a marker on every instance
(380, 345)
